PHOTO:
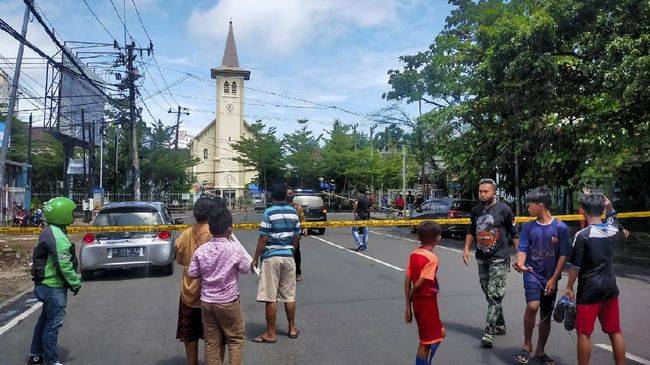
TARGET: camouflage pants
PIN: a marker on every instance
(492, 276)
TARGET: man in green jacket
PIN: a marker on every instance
(54, 271)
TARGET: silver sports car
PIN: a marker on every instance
(122, 250)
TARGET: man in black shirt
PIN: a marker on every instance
(492, 227)
(361, 212)
(410, 199)
(591, 265)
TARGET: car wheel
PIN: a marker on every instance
(320, 231)
(165, 270)
(87, 275)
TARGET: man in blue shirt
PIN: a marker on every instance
(279, 235)
(544, 245)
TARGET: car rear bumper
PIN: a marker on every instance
(99, 255)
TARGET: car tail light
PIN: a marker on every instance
(89, 238)
(164, 235)
(454, 213)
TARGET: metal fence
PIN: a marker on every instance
(171, 199)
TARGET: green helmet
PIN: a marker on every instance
(58, 211)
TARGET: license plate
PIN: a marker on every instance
(126, 252)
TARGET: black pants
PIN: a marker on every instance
(297, 259)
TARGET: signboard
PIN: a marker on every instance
(78, 94)
(2, 131)
(98, 198)
(76, 166)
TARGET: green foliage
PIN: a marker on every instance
(562, 84)
(303, 157)
(263, 152)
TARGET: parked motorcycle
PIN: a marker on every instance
(37, 219)
(20, 216)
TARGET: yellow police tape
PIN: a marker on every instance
(327, 224)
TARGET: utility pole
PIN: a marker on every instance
(12, 103)
(355, 136)
(178, 121)
(115, 166)
(372, 133)
(29, 153)
(403, 170)
(131, 77)
(83, 148)
(101, 155)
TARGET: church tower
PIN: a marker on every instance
(230, 176)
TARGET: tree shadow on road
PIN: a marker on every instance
(505, 355)
(176, 360)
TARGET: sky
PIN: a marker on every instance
(326, 52)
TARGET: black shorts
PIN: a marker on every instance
(190, 325)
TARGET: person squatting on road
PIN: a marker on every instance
(361, 213)
(190, 327)
(54, 271)
(543, 249)
(218, 264)
(421, 292)
(279, 235)
(297, 256)
(492, 227)
(591, 265)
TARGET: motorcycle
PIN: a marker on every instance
(20, 216)
(37, 219)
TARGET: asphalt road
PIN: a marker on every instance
(350, 311)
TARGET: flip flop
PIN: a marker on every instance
(260, 339)
(545, 360)
(522, 356)
(295, 335)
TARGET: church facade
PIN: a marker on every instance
(218, 169)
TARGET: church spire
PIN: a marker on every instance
(230, 58)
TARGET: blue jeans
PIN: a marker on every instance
(46, 332)
(360, 235)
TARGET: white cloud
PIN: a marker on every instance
(282, 25)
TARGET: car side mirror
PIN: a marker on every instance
(178, 221)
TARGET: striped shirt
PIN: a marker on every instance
(280, 224)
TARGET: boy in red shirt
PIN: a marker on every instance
(421, 292)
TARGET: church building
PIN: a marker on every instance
(218, 170)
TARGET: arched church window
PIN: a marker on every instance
(234, 88)
(205, 153)
(226, 87)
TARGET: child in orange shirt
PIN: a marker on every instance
(421, 292)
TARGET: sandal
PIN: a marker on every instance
(522, 356)
(295, 334)
(261, 339)
(545, 360)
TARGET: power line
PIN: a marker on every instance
(126, 30)
(99, 21)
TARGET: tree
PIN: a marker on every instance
(303, 156)
(165, 169)
(263, 152)
(559, 84)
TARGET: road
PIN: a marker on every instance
(350, 311)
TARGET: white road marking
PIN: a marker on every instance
(416, 241)
(19, 318)
(627, 354)
(358, 253)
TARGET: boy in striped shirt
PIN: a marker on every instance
(279, 235)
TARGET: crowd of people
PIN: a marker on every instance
(213, 259)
